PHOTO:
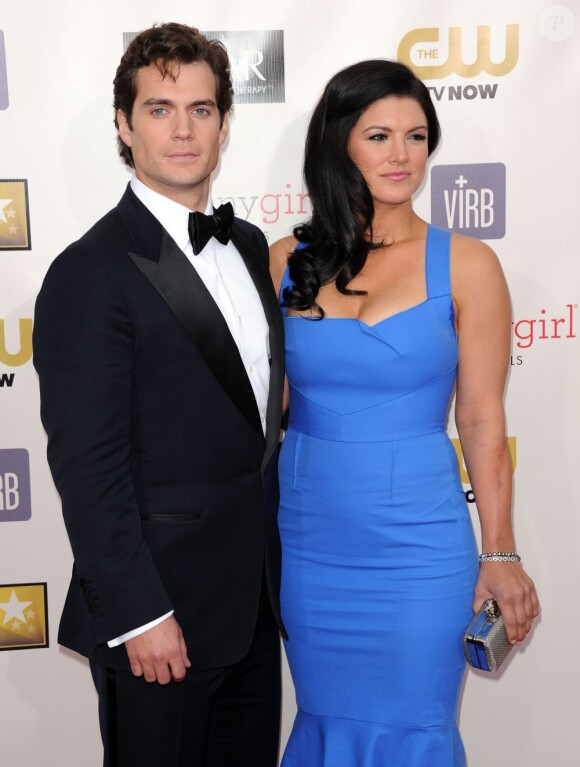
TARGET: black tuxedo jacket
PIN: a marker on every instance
(168, 486)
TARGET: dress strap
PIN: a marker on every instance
(437, 262)
(286, 283)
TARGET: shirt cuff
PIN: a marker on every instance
(135, 633)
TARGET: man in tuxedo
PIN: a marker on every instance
(158, 345)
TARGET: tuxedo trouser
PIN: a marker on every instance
(224, 717)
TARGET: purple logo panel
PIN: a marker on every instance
(15, 503)
(470, 199)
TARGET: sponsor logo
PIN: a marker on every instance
(24, 350)
(470, 199)
(23, 616)
(256, 61)
(463, 475)
(528, 331)
(15, 505)
(433, 58)
(270, 208)
(434, 55)
(3, 74)
(257, 64)
(467, 92)
(14, 218)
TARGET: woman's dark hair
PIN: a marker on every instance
(167, 46)
(336, 237)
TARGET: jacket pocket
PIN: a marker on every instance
(170, 516)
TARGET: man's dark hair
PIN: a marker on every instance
(167, 46)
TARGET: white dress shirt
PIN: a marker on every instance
(223, 272)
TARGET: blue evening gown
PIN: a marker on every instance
(379, 556)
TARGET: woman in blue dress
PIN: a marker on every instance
(384, 316)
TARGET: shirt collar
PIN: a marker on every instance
(172, 216)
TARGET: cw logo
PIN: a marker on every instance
(462, 469)
(25, 352)
(419, 42)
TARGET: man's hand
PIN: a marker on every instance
(159, 654)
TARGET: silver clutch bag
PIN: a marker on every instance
(485, 643)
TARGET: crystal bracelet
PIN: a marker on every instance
(500, 556)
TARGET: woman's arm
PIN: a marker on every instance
(483, 316)
(279, 253)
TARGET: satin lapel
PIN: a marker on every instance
(180, 286)
(255, 257)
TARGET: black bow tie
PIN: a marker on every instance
(202, 227)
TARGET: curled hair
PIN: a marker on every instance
(336, 241)
(167, 46)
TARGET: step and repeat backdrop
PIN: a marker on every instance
(505, 78)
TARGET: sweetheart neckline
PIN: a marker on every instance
(357, 319)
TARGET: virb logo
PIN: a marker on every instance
(15, 505)
(470, 199)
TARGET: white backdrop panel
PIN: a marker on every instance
(57, 133)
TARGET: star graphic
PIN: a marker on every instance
(13, 608)
(15, 625)
(3, 204)
(31, 629)
(11, 213)
(30, 614)
(13, 230)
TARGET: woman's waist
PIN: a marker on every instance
(401, 418)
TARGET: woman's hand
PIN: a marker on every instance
(515, 593)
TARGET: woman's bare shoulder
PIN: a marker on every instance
(476, 272)
(473, 259)
(471, 251)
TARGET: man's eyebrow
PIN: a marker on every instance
(169, 102)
